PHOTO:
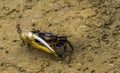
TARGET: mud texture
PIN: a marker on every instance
(92, 26)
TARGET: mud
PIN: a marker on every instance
(92, 26)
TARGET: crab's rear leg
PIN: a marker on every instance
(64, 51)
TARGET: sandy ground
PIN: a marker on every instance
(92, 26)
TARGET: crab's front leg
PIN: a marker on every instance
(29, 46)
(20, 31)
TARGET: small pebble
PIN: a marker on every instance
(78, 69)
(49, 25)
(7, 52)
(14, 40)
(33, 24)
(85, 69)
(20, 16)
(1, 47)
(4, 38)
(96, 52)
(2, 64)
(93, 71)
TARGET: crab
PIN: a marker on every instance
(46, 41)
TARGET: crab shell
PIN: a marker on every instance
(30, 38)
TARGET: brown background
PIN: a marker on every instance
(93, 27)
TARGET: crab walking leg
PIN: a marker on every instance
(43, 42)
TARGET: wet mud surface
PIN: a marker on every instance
(92, 26)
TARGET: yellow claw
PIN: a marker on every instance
(30, 40)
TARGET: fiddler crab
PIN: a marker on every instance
(46, 41)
